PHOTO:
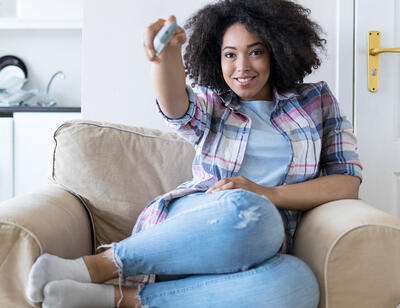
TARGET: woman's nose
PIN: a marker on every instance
(242, 64)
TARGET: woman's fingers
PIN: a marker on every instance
(223, 184)
(151, 31)
(148, 37)
(234, 183)
(171, 19)
(229, 185)
(179, 37)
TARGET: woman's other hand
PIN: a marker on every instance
(151, 31)
(236, 183)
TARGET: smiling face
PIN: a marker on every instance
(245, 64)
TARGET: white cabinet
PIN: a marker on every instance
(26, 149)
(33, 147)
(6, 158)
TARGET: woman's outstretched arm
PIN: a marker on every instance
(168, 72)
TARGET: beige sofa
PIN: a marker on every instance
(104, 174)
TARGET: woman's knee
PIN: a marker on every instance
(252, 208)
(246, 227)
(256, 220)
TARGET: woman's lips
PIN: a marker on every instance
(244, 81)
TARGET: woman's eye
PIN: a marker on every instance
(229, 55)
(256, 52)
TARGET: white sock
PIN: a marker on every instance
(73, 294)
(48, 268)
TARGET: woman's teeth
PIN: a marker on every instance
(244, 79)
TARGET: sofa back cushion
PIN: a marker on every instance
(117, 170)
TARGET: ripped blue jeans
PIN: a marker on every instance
(218, 250)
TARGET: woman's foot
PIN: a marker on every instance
(101, 267)
(71, 294)
(48, 268)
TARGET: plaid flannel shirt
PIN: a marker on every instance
(321, 142)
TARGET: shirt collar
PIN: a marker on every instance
(230, 100)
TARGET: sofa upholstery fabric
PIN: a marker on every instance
(118, 170)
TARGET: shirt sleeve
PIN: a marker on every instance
(192, 125)
(339, 153)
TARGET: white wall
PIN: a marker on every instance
(50, 9)
(116, 84)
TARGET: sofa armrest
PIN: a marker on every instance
(354, 250)
(51, 220)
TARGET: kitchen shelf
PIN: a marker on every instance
(26, 24)
(7, 111)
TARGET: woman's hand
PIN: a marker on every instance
(148, 36)
(235, 183)
(167, 70)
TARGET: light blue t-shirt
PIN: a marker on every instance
(267, 152)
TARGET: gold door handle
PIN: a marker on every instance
(374, 50)
(377, 51)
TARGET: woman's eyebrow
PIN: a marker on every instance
(255, 44)
(248, 46)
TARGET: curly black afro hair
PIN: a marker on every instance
(292, 38)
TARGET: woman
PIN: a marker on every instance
(268, 147)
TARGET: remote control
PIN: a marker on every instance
(163, 37)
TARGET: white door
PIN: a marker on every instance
(377, 115)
